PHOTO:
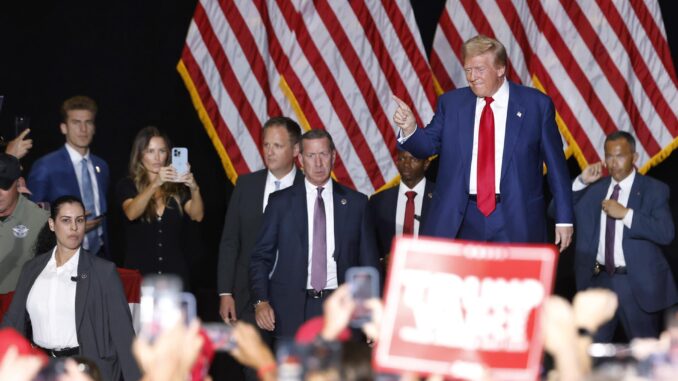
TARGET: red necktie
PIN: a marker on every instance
(408, 224)
(485, 179)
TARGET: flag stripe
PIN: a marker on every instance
(628, 115)
(283, 66)
(212, 109)
(656, 36)
(334, 95)
(229, 80)
(640, 67)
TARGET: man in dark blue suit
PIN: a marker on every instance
(493, 138)
(312, 233)
(622, 220)
(74, 170)
(401, 209)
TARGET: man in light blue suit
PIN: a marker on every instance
(74, 170)
(622, 221)
(493, 138)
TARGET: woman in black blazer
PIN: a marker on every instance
(69, 283)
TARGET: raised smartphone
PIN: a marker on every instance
(180, 160)
(364, 284)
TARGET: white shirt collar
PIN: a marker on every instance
(75, 156)
(419, 188)
(70, 267)
(501, 97)
(310, 188)
(626, 183)
(285, 181)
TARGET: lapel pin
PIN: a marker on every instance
(96, 168)
(520, 114)
(343, 201)
(83, 276)
(430, 195)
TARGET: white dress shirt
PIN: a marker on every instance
(51, 304)
(499, 108)
(311, 195)
(624, 192)
(285, 182)
(420, 188)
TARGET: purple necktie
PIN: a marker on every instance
(609, 235)
(319, 254)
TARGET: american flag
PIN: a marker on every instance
(328, 64)
(334, 65)
(606, 64)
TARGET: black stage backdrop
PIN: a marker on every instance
(123, 54)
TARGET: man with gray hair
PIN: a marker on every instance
(20, 223)
(493, 138)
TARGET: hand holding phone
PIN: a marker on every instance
(364, 285)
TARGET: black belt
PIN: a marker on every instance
(474, 198)
(598, 268)
(65, 352)
(319, 294)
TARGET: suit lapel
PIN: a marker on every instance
(514, 122)
(258, 193)
(389, 210)
(341, 206)
(599, 193)
(300, 212)
(636, 192)
(466, 113)
(82, 287)
(101, 186)
(428, 196)
(69, 172)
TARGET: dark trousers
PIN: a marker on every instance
(477, 227)
(635, 321)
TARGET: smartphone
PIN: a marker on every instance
(163, 305)
(221, 336)
(364, 284)
(21, 123)
(180, 160)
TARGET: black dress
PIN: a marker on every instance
(155, 247)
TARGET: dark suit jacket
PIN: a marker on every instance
(652, 284)
(241, 227)
(103, 319)
(382, 210)
(53, 176)
(285, 231)
(532, 138)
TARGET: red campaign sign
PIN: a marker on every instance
(461, 308)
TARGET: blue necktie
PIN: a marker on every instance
(93, 243)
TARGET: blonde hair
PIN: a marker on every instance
(139, 174)
(482, 44)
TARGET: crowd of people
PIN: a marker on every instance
(291, 232)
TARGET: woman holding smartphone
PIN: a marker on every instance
(156, 201)
(73, 301)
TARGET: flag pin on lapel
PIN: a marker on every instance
(430, 195)
(520, 114)
(343, 201)
(96, 168)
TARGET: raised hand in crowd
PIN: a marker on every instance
(560, 338)
(19, 146)
(337, 311)
(404, 117)
(252, 352)
(373, 327)
(592, 173)
(171, 356)
(17, 367)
